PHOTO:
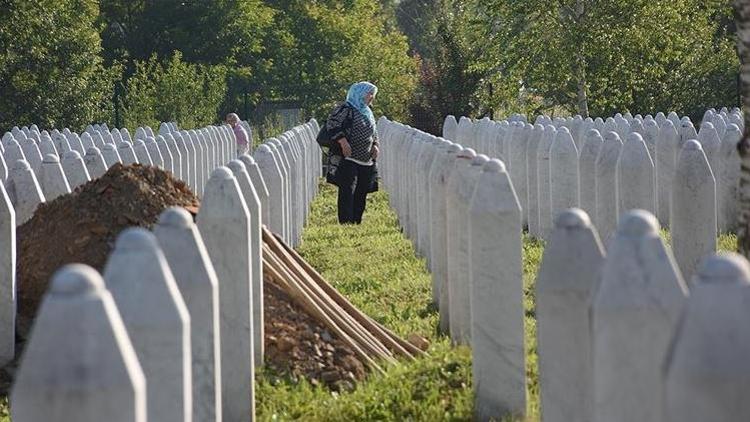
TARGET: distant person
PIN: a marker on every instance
(239, 132)
(352, 127)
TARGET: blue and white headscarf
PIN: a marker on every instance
(356, 98)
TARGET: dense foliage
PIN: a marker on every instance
(174, 91)
(593, 57)
(132, 62)
(51, 69)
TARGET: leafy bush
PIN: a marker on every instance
(187, 93)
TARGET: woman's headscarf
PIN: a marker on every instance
(356, 97)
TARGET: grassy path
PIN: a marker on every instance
(376, 268)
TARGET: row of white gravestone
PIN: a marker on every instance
(462, 213)
(189, 155)
(191, 371)
(517, 144)
(620, 339)
(608, 178)
(474, 254)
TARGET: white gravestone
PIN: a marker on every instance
(260, 186)
(224, 224)
(568, 276)
(195, 277)
(497, 313)
(543, 180)
(141, 153)
(32, 153)
(667, 148)
(75, 169)
(110, 155)
(158, 323)
(7, 278)
(532, 184)
(457, 241)
(24, 191)
(564, 191)
(693, 215)
(635, 176)
(166, 154)
(95, 163)
(153, 152)
(274, 181)
(592, 144)
(52, 179)
(634, 312)
(79, 364)
(439, 176)
(127, 154)
(707, 372)
(728, 198)
(256, 254)
(606, 185)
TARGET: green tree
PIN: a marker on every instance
(603, 56)
(51, 72)
(317, 49)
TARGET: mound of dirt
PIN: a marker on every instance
(82, 226)
(297, 345)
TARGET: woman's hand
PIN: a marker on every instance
(375, 151)
(346, 149)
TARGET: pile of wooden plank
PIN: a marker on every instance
(372, 342)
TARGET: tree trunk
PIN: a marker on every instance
(581, 95)
(742, 17)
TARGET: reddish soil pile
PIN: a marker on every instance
(298, 345)
(82, 226)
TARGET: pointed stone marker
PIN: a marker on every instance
(543, 180)
(693, 215)
(728, 198)
(260, 186)
(568, 276)
(439, 177)
(635, 176)
(198, 284)
(256, 254)
(79, 364)
(531, 179)
(592, 144)
(634, 312)
(564, 192)
(458, 248)
(496, 296)
(95, 163)
(606, 186)
(224, 224)
(707, 371)
(141, 153)
(75, 169)
(24, 191)
(52, 179)
(7, 278)
(158, 323)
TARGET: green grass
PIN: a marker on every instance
(375, 267)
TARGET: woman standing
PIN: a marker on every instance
(352, 126)
(240, 133)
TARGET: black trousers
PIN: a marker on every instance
(354, 181)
